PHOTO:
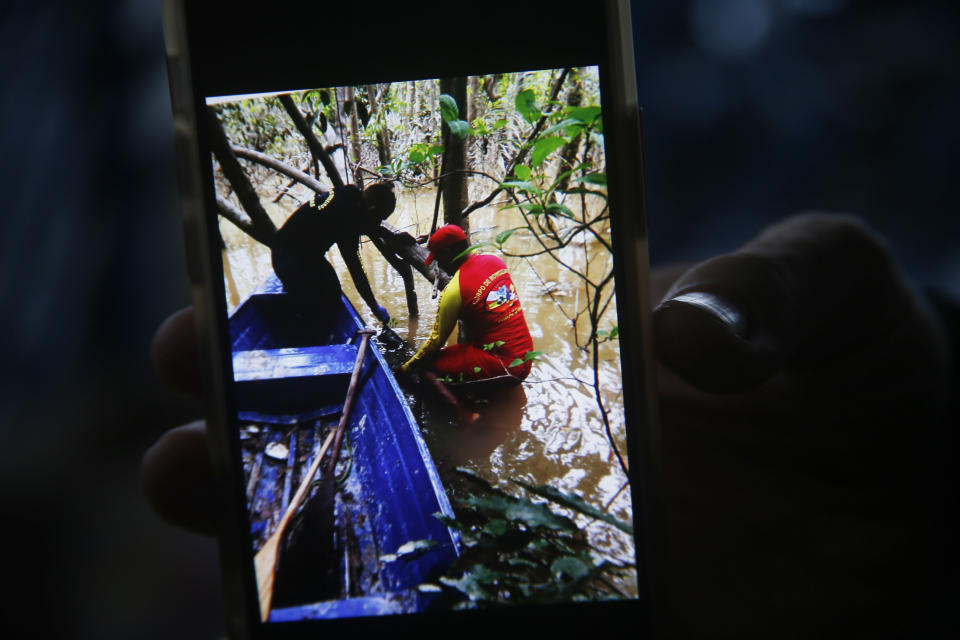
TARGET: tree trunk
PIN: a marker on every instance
(247, 195)
(568, 153)
(383, 136)
(454, 185)
(315, 147)
(350, 100)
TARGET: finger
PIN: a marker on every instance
(174, 352)
(801, 292)
(178, 480)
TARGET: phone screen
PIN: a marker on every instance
(416, 281)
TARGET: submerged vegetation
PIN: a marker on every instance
(518, 551)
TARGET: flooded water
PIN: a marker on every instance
(547, 431)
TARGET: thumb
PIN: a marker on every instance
(803, 291)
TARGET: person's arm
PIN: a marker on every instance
(350, 251)
(448, 311)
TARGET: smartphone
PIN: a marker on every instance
(417, 243)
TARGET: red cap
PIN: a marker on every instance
(446, 236)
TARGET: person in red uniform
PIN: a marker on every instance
(481, 293)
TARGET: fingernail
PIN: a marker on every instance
(707, 339)
(720, 310)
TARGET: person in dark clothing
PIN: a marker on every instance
(339, 217)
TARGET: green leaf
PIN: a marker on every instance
(615, 331)
(477, 369)
(594, 178)
(496, 527)
(416, 156)
(538, 515)
(586, 115)
(532, 355)
(569, 566)
(480, 127)
(562, 209)
(522, 172)
(543, 148)
(499, 343)
(515, 363)
(448, 108)
(435, 150)
(488, 346)
(526, 104)
(459, 128)
(560, 125)
(523, 185)
(471, 249)
(502, 237)
(576, 503)
(499, 124)
(451, 522)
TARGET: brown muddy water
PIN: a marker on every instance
(549, 430)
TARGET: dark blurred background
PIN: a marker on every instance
(753, 109)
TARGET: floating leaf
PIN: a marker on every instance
(526, 104)
(543, 148)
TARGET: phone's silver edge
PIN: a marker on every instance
(646, 457)
(197, 241)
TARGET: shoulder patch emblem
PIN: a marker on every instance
(502, 298)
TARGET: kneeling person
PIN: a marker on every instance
(481, 293)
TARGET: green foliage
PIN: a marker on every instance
(451, 115)
(526, 104)
(544, 147)
(527, 357)
(517, 551)
(612, 334)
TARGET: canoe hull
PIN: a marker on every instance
(290, 377)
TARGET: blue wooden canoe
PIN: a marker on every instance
(290, 383)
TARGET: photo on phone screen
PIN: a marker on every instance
(430, 417)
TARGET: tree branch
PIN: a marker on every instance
(276, 165)
(522, 151)
(241, 221)
(315, 147)
(247, 195)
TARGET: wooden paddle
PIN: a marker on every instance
(265, 561)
